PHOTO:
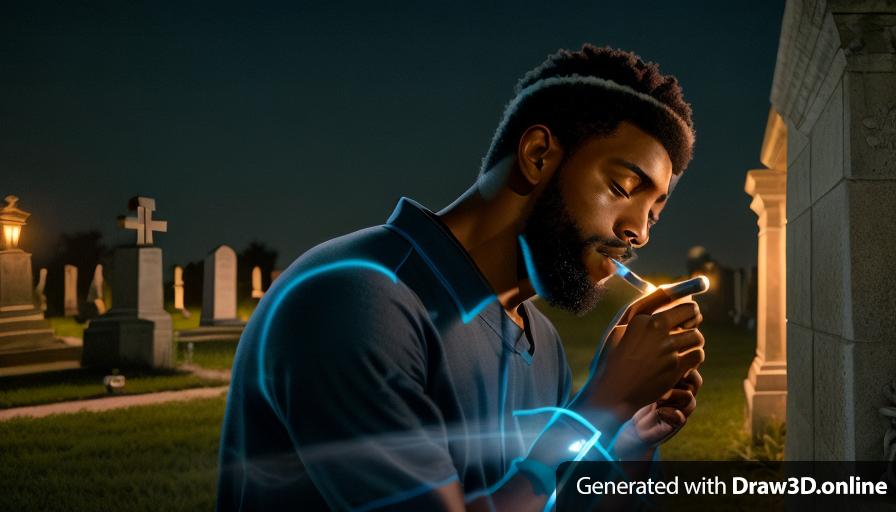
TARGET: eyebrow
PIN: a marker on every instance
(645, 179)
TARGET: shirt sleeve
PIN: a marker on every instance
(345, 361)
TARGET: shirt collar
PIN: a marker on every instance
(448, 260)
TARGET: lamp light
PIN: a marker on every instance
(11, 220)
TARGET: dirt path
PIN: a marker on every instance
(109, 403)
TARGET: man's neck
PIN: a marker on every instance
(488, 229)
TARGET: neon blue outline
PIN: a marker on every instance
(465, 316)
(530, 267)
(405, 495)
(281, 294)
(589, 444)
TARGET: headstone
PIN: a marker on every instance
(179, 292)
(40, 296)
(70, 297)
(257, 292)
(95, 294)
(137, 330)
(143, 223)
(178, 287)
(219, 288)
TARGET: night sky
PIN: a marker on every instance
(295, 123)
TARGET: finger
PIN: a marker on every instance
(694, 322)
(646, 305)
(668, 416)
(678, 315)
(686, 340)
(679, 399)
(655, 429)
(691, 360)
(615, 335)
(692, 381)
(644, 412)
(671, 416)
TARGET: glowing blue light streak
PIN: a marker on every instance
(284, 292)
(465, 316)
(530, 267)
(405, 495)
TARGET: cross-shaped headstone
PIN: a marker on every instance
(143, 223)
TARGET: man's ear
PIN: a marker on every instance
(538, 157)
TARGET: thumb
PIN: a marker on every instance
(646, 305)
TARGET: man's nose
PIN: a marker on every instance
(633, 228)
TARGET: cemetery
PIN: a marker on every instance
(118, 331)
(162, 349)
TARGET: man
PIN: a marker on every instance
(404, 367)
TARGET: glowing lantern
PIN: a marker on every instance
(12, 219)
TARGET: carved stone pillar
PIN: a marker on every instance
(766, 383)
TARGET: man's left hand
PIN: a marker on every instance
(656, 423)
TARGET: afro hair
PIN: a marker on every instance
(561, 94)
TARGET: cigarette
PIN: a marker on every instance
(693, 286)
(631, 278)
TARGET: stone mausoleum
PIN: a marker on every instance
(826, 326)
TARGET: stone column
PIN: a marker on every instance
(766, 383)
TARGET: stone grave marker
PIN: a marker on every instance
(40, 296)
(95, 294)
(219, 288)
(70, 298)
(257, 292)
(137, 331)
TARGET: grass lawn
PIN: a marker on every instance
(214, 355)
(68, 326)
(152, 458)
(77, 384)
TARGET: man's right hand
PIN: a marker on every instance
(643, 360)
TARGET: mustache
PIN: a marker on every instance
(599, 242)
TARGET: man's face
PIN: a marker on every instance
(599, 205)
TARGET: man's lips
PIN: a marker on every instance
(620, 254)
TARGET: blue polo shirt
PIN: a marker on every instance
(377, 367)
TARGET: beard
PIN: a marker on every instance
(557, 246)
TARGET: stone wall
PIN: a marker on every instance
(835, 86)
